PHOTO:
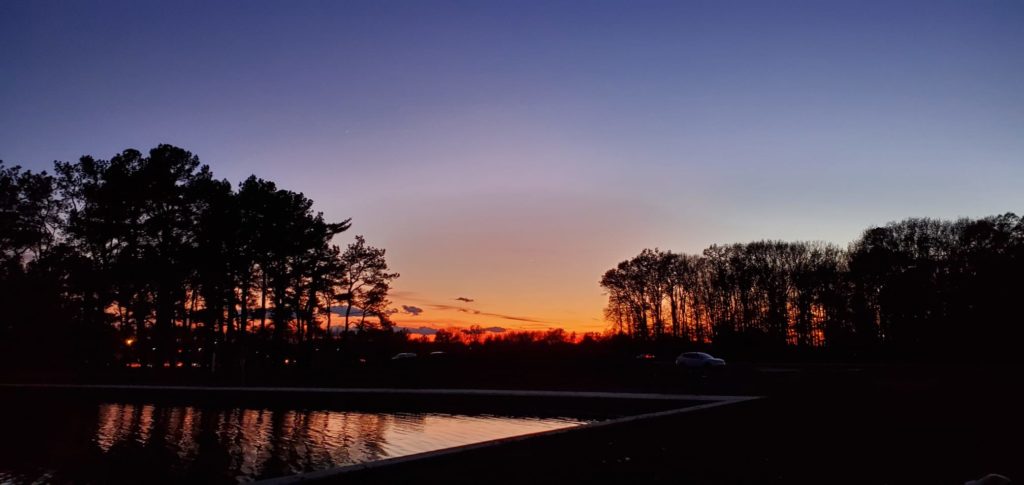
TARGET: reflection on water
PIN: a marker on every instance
(153, 443)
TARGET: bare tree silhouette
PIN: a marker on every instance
(918, 287)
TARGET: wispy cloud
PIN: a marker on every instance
(514, 318)
(517, 319)
(421, 302)
(405, 295)
(418, 331)
(442, 306)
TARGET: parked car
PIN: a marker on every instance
(693, 360)
(404, 356)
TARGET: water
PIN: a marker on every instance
(151, 443)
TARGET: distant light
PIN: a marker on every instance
(129, 341)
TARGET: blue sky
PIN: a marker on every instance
(512, 151)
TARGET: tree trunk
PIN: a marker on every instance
(348, 311)
(330, 304)
(244, 317)
(263, 304)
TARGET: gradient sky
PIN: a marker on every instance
(510, 152)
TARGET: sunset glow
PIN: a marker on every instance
(511, 241)
(509, 153)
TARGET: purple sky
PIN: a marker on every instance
(510, 152)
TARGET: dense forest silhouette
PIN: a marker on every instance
(149, 259)
(914, 288)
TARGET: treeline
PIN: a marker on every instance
(477, 336)
(149, 259)
(914, 288)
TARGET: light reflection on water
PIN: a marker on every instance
(186, 443)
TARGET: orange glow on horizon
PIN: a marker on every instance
(514, 310)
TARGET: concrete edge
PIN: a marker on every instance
(371, 465)
(390, 390)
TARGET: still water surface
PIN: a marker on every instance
(109, 443)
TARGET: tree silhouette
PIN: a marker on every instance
(364, 281)
(915, 288)
(147, 259)
(153, 260)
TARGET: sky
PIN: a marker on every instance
(509, 153)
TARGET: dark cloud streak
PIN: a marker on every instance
(417, 331)
(442, 306)
(412, 310)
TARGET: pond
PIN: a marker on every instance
(140, 442)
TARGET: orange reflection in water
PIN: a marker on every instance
(255, 443)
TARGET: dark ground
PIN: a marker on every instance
(817, 424)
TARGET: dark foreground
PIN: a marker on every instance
(817, 424)
(878, 425)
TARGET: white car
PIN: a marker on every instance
(693, 360)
